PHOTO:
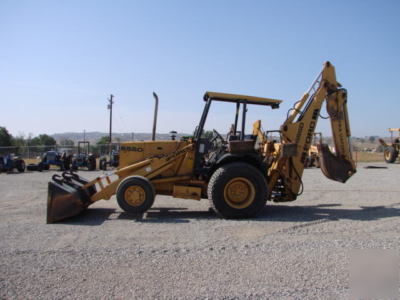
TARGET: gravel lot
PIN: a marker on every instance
(180, 249)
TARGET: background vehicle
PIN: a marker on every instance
(391, 151)
(11, 162)
(52, 158)
(313, 155)
(83, 159)
(237, 174)
(112, 160)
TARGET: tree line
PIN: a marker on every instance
(44, 142)
(8, 140)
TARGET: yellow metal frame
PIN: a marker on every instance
(248, 99)
(149, 168)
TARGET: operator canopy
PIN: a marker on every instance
(274, 103)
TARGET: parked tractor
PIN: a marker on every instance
(83, 159)
(52, 158)
(391, 152)
(109, 160)
(11, 162)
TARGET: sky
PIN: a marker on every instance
(60, 61)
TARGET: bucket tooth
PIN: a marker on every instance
(334, 167)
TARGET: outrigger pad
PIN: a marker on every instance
(66, 198)
(334, 167)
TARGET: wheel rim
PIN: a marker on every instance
(135, 195)
(239, 193)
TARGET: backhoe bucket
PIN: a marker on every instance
(67, 197)
(334, 167)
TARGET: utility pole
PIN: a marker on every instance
(109, 106)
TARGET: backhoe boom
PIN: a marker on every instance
(297, 135)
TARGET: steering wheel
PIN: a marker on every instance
(216, 135)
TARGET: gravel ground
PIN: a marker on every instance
(180, 249)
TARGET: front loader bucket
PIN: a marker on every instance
(67, 197)
(334, 167)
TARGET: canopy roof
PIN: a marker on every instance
(274, 103)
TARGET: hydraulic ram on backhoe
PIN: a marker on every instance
(238, 173)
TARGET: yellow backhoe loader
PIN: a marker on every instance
(391, 152)
(238, 174)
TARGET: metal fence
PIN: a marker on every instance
(33, 152)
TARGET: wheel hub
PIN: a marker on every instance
(239, 193)
(135, 195)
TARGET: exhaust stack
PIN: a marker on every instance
(153, 138)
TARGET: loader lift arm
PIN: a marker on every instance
(297, 135)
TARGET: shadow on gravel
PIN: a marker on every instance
(175, 215)
(282, 213)
(97, 216)
(167, 215)
(271, 213)
(90, 217)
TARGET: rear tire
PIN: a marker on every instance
(21, 166)
(237, 190)
(103, 164)
(390, 154)
(74, 165)
(135, 194)
(67, 163)
(91, 163)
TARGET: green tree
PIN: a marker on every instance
(19, 140)
(101, 145)
(5, 137)
(43, 140)
(371, 139)
(103, 140)
(46, 140)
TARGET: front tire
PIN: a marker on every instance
(237, 190)
(135, 194)
(390, 155)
